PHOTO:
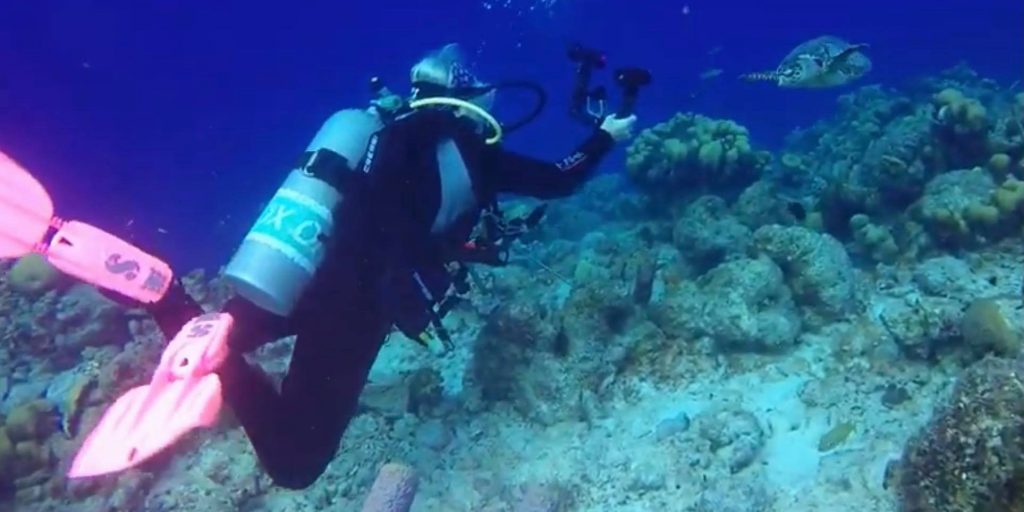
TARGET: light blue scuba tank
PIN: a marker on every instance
(284, 248)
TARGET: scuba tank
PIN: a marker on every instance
(282, 251)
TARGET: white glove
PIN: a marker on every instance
(619, 129)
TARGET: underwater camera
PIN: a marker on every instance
(588, 104)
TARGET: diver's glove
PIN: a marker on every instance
(619, 128)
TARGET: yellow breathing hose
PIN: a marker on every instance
(455, 102)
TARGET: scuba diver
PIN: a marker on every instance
(362, 238)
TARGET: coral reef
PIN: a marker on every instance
(693, 151)
(708, 235)
(875, 240)
(968, 457)
(32, 274)
(25, 455)
(738, 332)
(985, 328)
(937, 167)
(748, 306)
(817, 268)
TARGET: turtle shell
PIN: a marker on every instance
(818, 63)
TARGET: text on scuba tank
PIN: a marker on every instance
(282, 219)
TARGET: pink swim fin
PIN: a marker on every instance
(25, 210)
(184, 394)
(77, 248)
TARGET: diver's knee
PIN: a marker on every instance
(254, 326)
(294, 481)
(299, 474)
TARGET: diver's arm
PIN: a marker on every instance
(510, 172)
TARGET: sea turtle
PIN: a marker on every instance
(826, 61)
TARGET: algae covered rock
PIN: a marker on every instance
(816, 266)
(951, 207)
(707, 234)
(875, 240)
(986, 327)
(32, 420)
(506, 344)
(734, 495)
(747, 306)
(734, 434)
(760, 204)
(24, 452)
(970, 456)
(947, 276)
(32, 275)
(923, 326)
(539, 362)
(85, 318)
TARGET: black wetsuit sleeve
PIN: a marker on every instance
(509, 172)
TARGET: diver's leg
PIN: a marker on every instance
(340, 326)
(171, 312)
(296, 432)
(174, 310)
(253, 326)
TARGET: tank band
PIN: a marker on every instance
(325, 165)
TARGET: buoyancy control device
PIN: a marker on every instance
(282, 251)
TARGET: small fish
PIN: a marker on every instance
(711, 74)
(162, 231)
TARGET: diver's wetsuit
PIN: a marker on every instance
(342, 319)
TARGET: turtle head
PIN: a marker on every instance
(797, 72)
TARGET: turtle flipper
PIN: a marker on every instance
(845, 54)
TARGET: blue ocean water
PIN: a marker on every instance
(171, 122)
(796, 348)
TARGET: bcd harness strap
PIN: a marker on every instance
(327, 166)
